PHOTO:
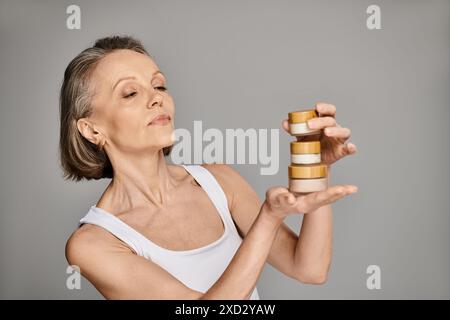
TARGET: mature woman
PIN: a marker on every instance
(163, 231)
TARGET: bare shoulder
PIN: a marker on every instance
(222, 171)
(231, 181)
(116, 272)
(88, 242)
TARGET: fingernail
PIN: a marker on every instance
(311, 124)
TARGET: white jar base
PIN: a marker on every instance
(301, 129)
(308, 185)
(305, 158)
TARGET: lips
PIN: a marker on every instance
(162, 119)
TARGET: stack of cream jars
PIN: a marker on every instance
(306, 172)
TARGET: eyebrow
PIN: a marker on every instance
(132, 77)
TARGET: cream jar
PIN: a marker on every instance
(298, 122)
(308, 178)
(305, 152)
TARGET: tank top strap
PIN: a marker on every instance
(118, 228)
(143, 246)
(215, 192)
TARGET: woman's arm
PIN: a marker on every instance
(241, 275)
(118, 273)
(305, 258)
(314, 248)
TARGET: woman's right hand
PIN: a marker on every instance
(280, 202)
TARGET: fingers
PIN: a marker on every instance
(285, 125)
(315, 200)
(350, 148)
(326, 121)
(326, 109)
(321, 122)
(280, 199)
(282, 202)
(338, 132)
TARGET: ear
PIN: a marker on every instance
(88, 130)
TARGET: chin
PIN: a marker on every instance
(164, 142)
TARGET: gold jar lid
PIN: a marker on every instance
(302, 116)
(308, 171)
(305, 147)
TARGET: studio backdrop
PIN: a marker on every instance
(244, 65)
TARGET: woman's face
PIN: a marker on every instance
(129, 92)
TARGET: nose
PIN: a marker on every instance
(156, 99)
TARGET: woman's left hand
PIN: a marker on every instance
(333, 137)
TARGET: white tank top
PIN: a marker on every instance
(198, 268)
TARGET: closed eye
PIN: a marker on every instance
(130, 95)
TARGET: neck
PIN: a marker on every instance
(139, 181)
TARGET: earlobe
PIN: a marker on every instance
(101, 145)
(88, 131)
(98, 138)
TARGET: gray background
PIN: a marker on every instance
(245, 64)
